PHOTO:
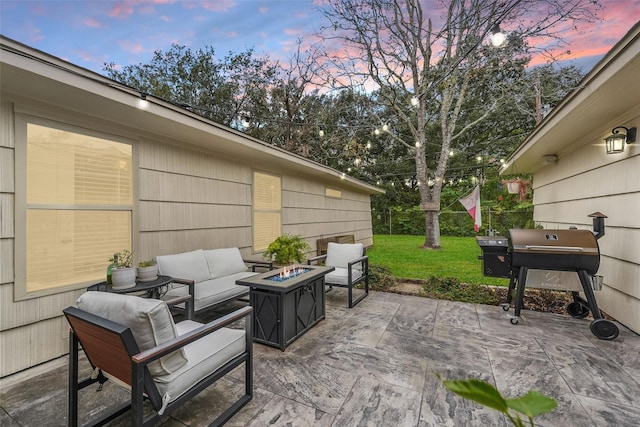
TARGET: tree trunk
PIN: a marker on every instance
(432, 236)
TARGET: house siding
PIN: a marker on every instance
(587, 181)
(186, 197)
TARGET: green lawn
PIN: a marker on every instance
(458, 258)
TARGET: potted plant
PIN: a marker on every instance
(518, 186)
(287, 249)
(123, 274)
(147, 271)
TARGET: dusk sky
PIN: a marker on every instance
(91, 33)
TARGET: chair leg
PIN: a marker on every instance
(73, 380)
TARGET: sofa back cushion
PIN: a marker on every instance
(224, 262)
(340, 254)
(149, 319)
(186, 265)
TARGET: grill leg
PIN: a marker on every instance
(522, 275)
(513, 280)
(602, 328)
(588, 292)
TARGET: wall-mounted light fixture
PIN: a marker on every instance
(615, 142)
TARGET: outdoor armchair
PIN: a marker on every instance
(134, 340)
(351, 267)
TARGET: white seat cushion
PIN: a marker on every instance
(187, 265)
(150, 322)
(225, 261)
(213, 291)
(339, 276)
(204, 357)
(340, 254)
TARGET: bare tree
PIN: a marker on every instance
(422, 63)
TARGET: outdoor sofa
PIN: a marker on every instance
(212, 273)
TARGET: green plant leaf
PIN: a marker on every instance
(479, 391)
(532, 404)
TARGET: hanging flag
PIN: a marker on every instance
(472, 204)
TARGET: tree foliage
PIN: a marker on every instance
(425, 68)
(222, 89)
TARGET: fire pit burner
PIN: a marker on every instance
(287, 274)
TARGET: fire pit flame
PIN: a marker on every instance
(288, 273)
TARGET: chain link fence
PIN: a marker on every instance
(452, 223)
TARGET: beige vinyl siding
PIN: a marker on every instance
(586, 181)
(190, 199)
(308, 212)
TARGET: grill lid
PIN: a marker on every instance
(580, 242)
(569, 250)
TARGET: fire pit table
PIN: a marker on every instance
(287, 302)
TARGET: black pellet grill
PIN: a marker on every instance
(555, 250)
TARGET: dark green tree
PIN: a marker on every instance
(222, 89)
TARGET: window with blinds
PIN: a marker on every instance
(267, 210)
(79, 206)
(332, 192)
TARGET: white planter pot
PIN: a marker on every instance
(513, 187)
(123, 278)
(148, 274)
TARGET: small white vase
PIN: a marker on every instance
(148, 274)
(123, 278)
(513, 187)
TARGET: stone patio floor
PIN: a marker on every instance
(376, 365)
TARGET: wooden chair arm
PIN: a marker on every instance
(182, 281)
(316, 259)
(177, 300)
(163, 349)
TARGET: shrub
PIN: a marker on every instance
(450, 288)
(380, 278)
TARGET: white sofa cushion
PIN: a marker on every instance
(204, 357)
(225, 261)
(186, 265)
(150, 322)
(213, 291)
(339, 276)
(340, 254)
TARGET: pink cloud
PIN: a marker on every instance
(263, 9)
(292, 32)
(165, 18)
(217, 5)
(88, 57)
(92, 23)
(131, 47)
(122, 9)
(232, 34)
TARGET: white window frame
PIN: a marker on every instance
(22, 120)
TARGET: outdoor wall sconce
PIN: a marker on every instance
(615, 142)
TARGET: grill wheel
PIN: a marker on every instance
(577, 310)
(604, 329)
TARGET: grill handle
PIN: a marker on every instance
(555, 248)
